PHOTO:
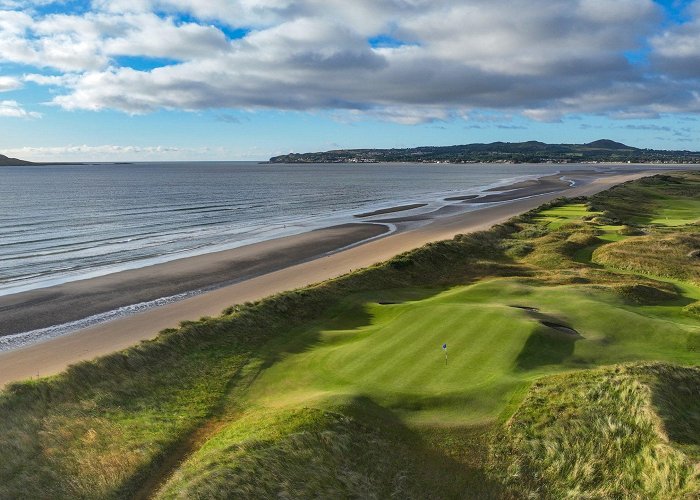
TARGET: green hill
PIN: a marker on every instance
(603, 150)
(572, 370)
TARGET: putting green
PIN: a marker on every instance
(556, 217)
(677, 212)
(494, 349)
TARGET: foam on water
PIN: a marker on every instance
(18, 340)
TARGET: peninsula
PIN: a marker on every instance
(601, 151)
(6, 161)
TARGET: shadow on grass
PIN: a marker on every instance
(676, 396)
(443, 462)
(546, 346)
(351, 313)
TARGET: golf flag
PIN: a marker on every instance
(444, 348)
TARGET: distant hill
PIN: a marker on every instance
(603, 150)
(7, 161)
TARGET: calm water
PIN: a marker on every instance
(62, 223)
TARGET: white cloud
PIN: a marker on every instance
(104, 152)
(136, 153)
(541, 58)
(9, 83)
(676, 51)
(12, 109)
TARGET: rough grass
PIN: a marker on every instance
(340, 390)
(597, 434)
(652, 199)
(312, 453)
(669, 255)
(301, 453)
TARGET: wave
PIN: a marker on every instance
(18, 340)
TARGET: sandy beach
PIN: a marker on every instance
(253, 272)
(75, 300)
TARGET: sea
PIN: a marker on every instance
(63, 223)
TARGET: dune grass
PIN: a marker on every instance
(606, 438)
(341, 389)
(668, 255)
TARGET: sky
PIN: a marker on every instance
(147, 80)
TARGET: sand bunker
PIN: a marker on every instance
(561, 328)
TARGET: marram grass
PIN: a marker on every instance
(598, 434)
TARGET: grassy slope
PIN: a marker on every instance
(606, 433)
(342, 389)
(396, 360)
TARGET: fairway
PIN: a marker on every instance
(677, 212)
(494, 348)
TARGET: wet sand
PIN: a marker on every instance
(462, 198)
(54, 355)
(391, 210)
(543, 185)
(76, 300)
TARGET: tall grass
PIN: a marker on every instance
(593, 435)
(303, 453)
(669, 255)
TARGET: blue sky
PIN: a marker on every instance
(237, 79)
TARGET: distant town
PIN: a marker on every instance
(601, 151)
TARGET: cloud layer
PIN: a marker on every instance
(408, 61)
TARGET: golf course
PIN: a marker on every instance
(555, 355)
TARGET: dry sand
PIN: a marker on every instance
(54, 355)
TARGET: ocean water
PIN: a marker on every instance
(62, 223)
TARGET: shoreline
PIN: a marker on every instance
(55, 354)
(69, 302)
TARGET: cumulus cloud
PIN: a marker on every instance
(12, 109)
(540, 58)
(676, 51)
(9, 83)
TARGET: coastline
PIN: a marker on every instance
(55, 354)
(77, 300)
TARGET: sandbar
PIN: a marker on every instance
(391, 210)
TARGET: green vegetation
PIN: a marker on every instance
(573, 334)
(517, 152)
(616, 433)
